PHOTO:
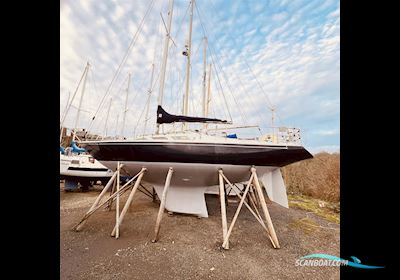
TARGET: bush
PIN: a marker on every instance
(318, 177)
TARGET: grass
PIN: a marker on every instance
(328, 210)
(306, 225)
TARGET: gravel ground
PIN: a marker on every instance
(189, 247)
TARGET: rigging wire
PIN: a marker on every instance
(173, 52)
(138, 121)
(72, 99)
(170, 72)
(271, 107)
(93, 80)
(152, 86)
(182, 72)
(191, 101)
(157, 41)
(243, 116)
(221, 108)
(194, 112)
(220, 90)
(177, 93)
(181, 23)
(248, 99)
(216, 72)
(122, 63)
(220, 84)
(259, 84)
(69, 95)
(85, 111)
(191, 91)
(97, 128)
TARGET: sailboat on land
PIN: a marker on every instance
(196, 156)
(76, 164)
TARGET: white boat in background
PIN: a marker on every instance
(80, 167)
(77, 167)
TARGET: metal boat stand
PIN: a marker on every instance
(115, 196)
(256, 199)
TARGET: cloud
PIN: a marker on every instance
(293, 48)
(280, 16)
(328, 132)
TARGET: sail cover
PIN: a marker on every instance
(164, 117)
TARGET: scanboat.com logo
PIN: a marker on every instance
(329, 260)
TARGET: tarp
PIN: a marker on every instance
(232, 136)
(164, 117)
(76, 149)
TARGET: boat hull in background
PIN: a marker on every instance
(83, 169)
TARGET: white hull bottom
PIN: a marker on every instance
(190, 182)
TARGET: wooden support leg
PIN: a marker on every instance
(237, 212)
(109, 206)
(154, 194)
(256, 215)
(123, 189)
(223, 208)
(117, 203)
(129, 201)
(258, 202)
(253, 202)
(103, 192)
(226, 196)
(264, 208)
(162, 204)
(253, 196)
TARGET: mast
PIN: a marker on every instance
(208, 98)
(204, 79)
(148, 99)
(126, 105)
(70, 103)
(188, 53)
(66, 108)
(80, 101)
(165, 57)
(108, 113)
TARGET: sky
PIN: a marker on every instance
(264, 54)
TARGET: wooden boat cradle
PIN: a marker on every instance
(253, 192)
